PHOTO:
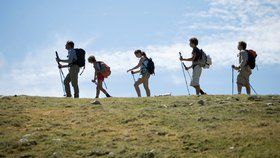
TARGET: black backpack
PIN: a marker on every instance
(150, 66)
(80, 53)
(252, 55)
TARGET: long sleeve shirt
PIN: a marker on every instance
(71, 56)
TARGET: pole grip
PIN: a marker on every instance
(180, 54)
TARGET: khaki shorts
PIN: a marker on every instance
(146, 75)
(196, 75)
(243, 77)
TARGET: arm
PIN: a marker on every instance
(243, 62)
(71, 57)
(95, 75)
(244, 59)
(137, 66)
(188, 59)
(135, 72)
(57, 60)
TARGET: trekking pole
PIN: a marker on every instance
(182, 65)
(133, 77)
(62, 77)
(251, 86)
(253, 89)
(232, 81)
(187, 71)
(105, 84)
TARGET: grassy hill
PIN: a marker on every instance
(185, 126)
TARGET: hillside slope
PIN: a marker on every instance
(185, 126)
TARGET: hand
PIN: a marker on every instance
(187, 68)
(60, 66)
(94, 81)
(181, 58)
(57, 59)
(233, 66)
(132, 72)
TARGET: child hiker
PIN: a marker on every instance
(197, 64)
(102, 71)
(144, 73)
(243, 68)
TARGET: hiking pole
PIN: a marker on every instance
(232, 81)
(187, 71)
(253, 89)
(182, 65)
(251, 86)
(62, 77)
(133, 77)
(105, 84)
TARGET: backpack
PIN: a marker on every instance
(104, 69)
(80, 53)
(252, 55)
(206, 60)
(150, 66)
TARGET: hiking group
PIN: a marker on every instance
(199, 59)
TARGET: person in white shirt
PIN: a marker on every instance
(243, 69)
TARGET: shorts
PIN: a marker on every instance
(244, 76)
(196, 75)
(145, 75)
(100, 77)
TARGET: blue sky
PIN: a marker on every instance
(32, 30)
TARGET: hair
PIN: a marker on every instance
(70, 43)
(194, 41)
(242, 44)
(138, 51)
(91, 59)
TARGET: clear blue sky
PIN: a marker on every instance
(32, 30)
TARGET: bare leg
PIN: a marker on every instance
(136, 86)
(98, 89)
(197, 90)
(248, 89)
(146, 86)
(239, 88)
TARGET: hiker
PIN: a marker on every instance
(244, 69)
(74, 69)
(102, 71)
(144, 73)
(197, 64)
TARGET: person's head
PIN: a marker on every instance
(91, 59)
(138, 53)
(193, 42)
(241, 45)
(69, 45)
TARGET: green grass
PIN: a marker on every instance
(224, 126)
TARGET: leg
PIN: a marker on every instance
(146, 85)
(136, 86)
(99, 84)
(195, 78)
(74, 73)
(197, 90)
(239, 88)
(102, 89)
(67, 81)
(248, 89)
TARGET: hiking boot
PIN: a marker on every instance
(76, 96)
(202, 92)
(108, 96)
